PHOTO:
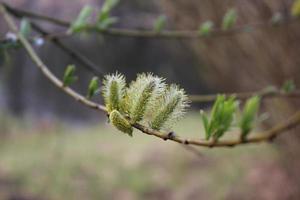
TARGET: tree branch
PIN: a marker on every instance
(86, 63)
(263, 136)
(166, 34)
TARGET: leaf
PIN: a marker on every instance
(109, 5)
(93, 87)
(82, 19)
(25, 28)
(69, 77)
(288, 86)
(159, 24)
(229, 19)
(104, 19)
(206, 28)
(205, 124)
(221, 117)
(248, 116)
(295, 9)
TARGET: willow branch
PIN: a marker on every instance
(246, 95)
(84, 61)
(263, 136)
(167, 34)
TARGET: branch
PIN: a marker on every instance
(263, 136)
(167, 34)
(88, 64)
(246, 95)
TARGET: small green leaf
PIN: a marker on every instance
(25, 27)
(82, 19)
(248, 116)
(206, 28)
(295, 9)
(69, 76)
(104, 19)
(221, 117)
(205, 124)
(109, 5)
(288, 86)
(229, 19)
(93, 87)
(159, 24)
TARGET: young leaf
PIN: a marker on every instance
(288, 86)
(120, 122)
(229, 19)
(221, 117)
(205, 124)
(206, 28)
(295, 10)
(25, 27)
(104, 19)
(82, 19)
(159, 24)
(69, 76)
(93, 87)
(248, 116)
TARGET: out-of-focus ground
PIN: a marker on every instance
(51, 160)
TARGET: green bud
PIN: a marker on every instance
(69, 76)
(288, 86)
(25, 27)
(248, 116)
(93, 87)
(82, 19)
(206, 28)
(120, 122)
(229, 19)
(104, 19)
(221, 117)
(159, 24)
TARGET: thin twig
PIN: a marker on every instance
(263, 136)
(84, 61)
(167, 34)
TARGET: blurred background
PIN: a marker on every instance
(51, 147)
